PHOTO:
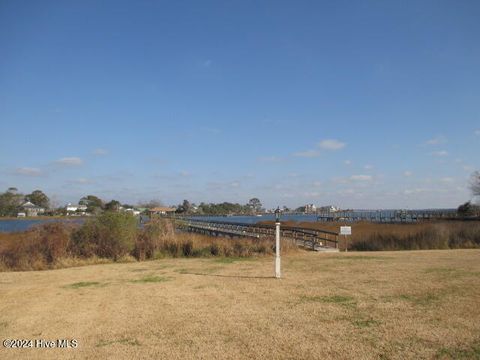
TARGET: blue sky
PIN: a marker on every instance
(361, 104)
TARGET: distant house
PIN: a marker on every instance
(161, 211)
(71, 208)
(30, 209)
(135, 212)
(78, 209)
(21, 214)
(329, 208)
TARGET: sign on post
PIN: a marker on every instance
(345, 230)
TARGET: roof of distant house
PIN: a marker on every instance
(31, 205)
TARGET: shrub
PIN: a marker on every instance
(148, 240)
(36, 249)
(53, 241)
(187, 248)
(214, 249)
(110, 235)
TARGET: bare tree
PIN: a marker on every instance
(475, 183)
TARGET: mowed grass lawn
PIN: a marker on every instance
(417, 304)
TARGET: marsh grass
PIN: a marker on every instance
(114, 237)
(368, 236)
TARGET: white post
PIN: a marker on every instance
(277, 250)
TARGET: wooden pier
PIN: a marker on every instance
(318, 240)
(397, 216)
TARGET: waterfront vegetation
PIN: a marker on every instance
(115, 236)
(428, 235)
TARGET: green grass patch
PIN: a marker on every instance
(470, 352)
(450, 273)
(334, 299)
(421, 299)
(361, 323)
(124, 341)
(231, 260)
(183, 271)
(359, 258)
(82, 284)
(152, 279)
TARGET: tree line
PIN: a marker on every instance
(11, 202)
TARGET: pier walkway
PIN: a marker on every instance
(317, 240)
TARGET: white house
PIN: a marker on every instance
(31, 209)
(76, 208)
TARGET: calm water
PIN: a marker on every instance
(24, 224)
(16, 225)
(373, 215)
(256, 219)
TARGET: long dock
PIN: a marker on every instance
(396, 216)
(318, 240)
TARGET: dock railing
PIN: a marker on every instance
(311, 238)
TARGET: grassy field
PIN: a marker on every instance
(392, 305)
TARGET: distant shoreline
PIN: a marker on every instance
(9, 218)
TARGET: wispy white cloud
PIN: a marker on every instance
(348, 162)
(361, 178)
(407, 173)
(269, 159)
(368, 167)
(100, 152)
(440, 153)
(82, 181)
(331, 144)
(28, 171)
(447, 180)
(477, 132)
(69, 161)
(307, 154)
(414, 191)
(440, 139)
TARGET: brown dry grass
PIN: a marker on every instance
(394, 305)
(365, 231)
